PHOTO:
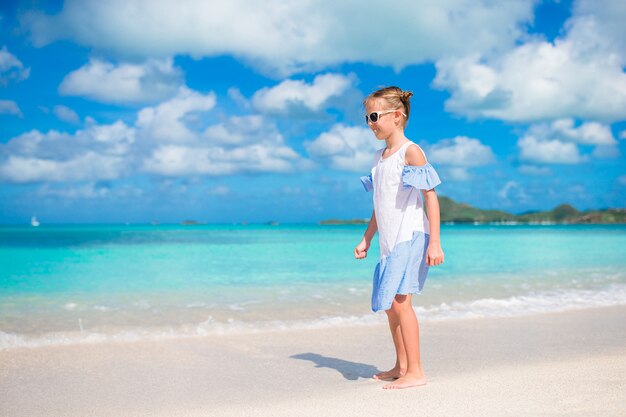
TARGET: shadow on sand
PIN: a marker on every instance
(349, 370)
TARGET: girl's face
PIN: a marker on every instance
(387, 123)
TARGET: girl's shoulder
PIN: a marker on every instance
(414, 155)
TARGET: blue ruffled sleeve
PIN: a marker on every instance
(422, 177)
(367, 182)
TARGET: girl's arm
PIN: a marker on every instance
(361, 249)
(434, 254)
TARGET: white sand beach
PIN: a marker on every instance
(558, 364)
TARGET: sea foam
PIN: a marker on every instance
(515, 306)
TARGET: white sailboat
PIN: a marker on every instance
(34, 222)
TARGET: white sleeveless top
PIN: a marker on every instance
(398, 203)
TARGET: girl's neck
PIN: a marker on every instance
(396, 139)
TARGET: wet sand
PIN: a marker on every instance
(558, 364)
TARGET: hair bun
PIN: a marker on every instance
(406, 95)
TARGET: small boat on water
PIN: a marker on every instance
(34, 222)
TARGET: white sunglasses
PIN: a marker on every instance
(375, 115)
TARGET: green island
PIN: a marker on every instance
(453, 212)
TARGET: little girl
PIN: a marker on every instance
(409, 239)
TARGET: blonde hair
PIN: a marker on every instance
(396, 98)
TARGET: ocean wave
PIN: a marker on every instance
(515, 306)
(529, 304)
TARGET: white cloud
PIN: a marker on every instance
(98, 152)
(504, 191)
(460, 151)
(580, 74)
(610, 14)
(242, 130)
(298, 95)
(219, 190)
(10, 107)
(551, 151)
(557, 142)
(235, 95)
(165, 122)
(606, 152)
(459, 154)
(345, 148)
(113, 139)
(177, 160)
(103, 81)
(458, 174)
(241, 144)
(160, 142)
(91, 190)
(589, 133)
(66, 114)
(86, 191)
(11, 68)
(8, 60)
(292, 191)
(513, 190)
(534, 170)
(89, 165)
(622, 134)
(287, 36)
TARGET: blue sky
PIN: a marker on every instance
(139, 111)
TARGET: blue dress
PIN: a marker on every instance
(403, 227)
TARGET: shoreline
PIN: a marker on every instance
(353, 314)
(287, 224)
(566, 363)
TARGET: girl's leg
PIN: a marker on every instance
(401, 362)
(409, 328)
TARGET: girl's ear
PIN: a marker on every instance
(397, 118)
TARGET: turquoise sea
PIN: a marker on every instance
(63, 284)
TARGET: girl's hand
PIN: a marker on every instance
(360, 252)
(434, 254)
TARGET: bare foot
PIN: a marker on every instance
(407, 381)
(394, 373)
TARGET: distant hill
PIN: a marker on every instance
(565, 213)
(453, 212)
